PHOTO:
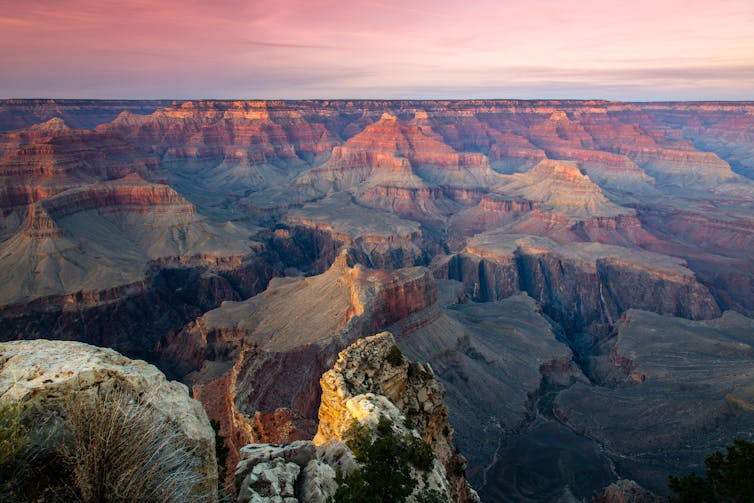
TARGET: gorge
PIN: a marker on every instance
(578, 274)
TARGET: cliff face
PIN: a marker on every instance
(577, 284)
(370, 382)
(256, 364)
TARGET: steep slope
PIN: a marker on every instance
(578, 283)
(258, 362)
(99, 236)
(382, 239)
(372, 386)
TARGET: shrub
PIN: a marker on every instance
(386, 459)
(14, 438)
(394, 356)
(419, 453)
(119, 449)
(729, 477)
(431, 496)
(30, 469)
(353, 488)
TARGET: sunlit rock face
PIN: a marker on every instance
(370, 385)
(256, 364)
(520, 247)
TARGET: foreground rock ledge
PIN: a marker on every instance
(370, 380)
(46, 374)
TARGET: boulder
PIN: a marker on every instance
(47, 374)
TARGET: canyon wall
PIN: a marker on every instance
(240, 245)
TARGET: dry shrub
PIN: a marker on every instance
(29, 468)
(13, 433)
(14, 437)
(120, 449)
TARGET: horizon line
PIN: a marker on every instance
(603, 100)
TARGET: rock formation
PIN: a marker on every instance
(299, 471)
(470, 229)
(370, 382)
(256, 364)
(626, 491)
(46, 375)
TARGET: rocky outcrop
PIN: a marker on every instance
(391, 152)
(379, 240)
(130, 193)
(47, 374)
(256, 364)
(299, 471)
(610, 170)
(626, 491)
(484, 279)
(601, 281)
(48, 158)
(372, 371)
(370, 382)
(560, 187)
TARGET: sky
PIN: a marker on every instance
(638, 50)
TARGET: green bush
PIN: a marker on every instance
(353, 488)
(394, 356)
(386, 459)
(419, 453)
(729, 477)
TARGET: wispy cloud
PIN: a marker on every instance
(379, 48)
(284, 45)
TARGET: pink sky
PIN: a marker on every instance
(614, 49)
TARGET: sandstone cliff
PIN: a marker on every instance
(256, 364)
(370, 383)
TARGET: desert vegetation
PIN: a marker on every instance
(106, 447)
(386, 459)
(729, 477)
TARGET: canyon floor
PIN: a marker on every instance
(579, 274)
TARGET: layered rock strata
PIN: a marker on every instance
(256, 364)
(369, 383)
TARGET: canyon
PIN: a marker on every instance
(579, 275)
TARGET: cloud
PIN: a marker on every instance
(376, 48)
(285, 45)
